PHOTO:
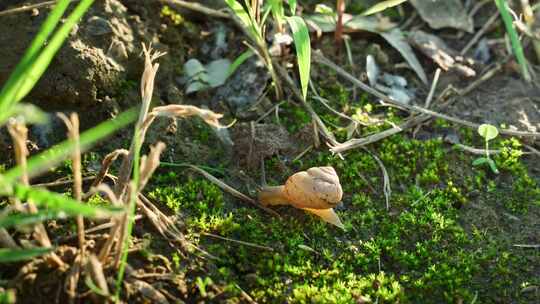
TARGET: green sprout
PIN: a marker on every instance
(488, 132)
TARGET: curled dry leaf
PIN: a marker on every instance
(208, 116)
(316, 190)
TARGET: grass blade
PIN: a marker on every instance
(381, 6)
(52, 156)
(238, 61)
(292, 6)
(16, 255)
(58, 206)
(23, 219)
(303, 50)
(514, 39)
(38, 67)
(10, 87)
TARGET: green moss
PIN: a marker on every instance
(424, 249)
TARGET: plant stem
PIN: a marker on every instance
(131, 211)
(502, 5)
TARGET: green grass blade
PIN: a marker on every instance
(59, 203)
(131, 211)
(238, 61)
(247, 19)
(23, 219)
(16, 255)
(292, 6)
(514, 38)
(52, 156)
(239, 11)
(276, 7)
(30, 113)
(38, 67)
(10, 87)
(381, 6)
(303, 50)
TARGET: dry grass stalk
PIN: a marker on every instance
(72, 279)
(105, 189)
(149, 164)
(182, 111)
(121, 187)
(72, 124)
(19, 134)
(94, 272)
(6, 240)
(167, 227)
(106, 165)
(530, 20)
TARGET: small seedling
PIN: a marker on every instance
(488, 132)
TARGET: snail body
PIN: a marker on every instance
(316, 190)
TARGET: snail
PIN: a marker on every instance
(316, 190)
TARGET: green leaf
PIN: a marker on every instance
(277, 10)
(16, 255)
(381, 6)
(488, 132)
(8, 297)
(10, 87)
(42, 61)
(303, 50)
(90, 284)
(479, 161)
(59, 203)
(292, 6)
(47, 159)
(239, 11)
(23, 219)
(242, 14)
(63, 206)
(29, 112)
(324, 9)
(502, 5)
(492, 166)
(239, 60)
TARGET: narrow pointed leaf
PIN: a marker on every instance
(59, 203)
(16, 255)
(303, 50)
(381, 6)
(42, 61)
(52, 156)
(10, 87)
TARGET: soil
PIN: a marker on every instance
(96, 74)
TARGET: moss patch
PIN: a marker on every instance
(427, 248)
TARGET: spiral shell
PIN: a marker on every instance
(316, 188)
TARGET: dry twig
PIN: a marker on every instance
(197, 7)
(19, 133)
(26, 8)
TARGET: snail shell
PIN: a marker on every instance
(316, 188)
